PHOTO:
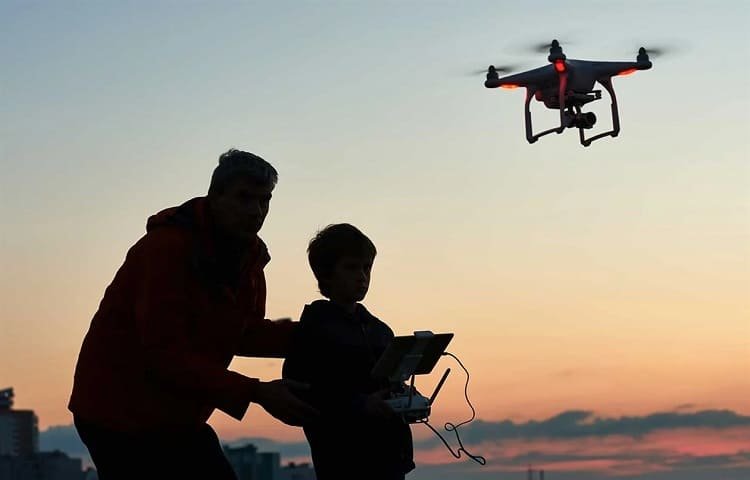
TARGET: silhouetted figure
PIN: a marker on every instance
(189, 297)
(357, 434)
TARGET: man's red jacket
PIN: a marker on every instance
(157, 351)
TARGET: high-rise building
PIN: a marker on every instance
(41, 466)
(530, 474)
(249, 464)
(19, 429)
(269, 466)
(244, 461)
(6, 398)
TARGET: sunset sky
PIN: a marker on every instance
(599, 296)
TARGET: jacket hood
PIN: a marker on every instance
(194, 217)
(188, 215)
(326, 308)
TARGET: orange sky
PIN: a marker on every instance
(614, 278)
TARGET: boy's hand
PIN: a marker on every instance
(282, 321)
(276, 398)
(375, 405)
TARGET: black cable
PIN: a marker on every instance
(454, 428)
(457, 454)
(466, 395)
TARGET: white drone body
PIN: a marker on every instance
(567, 85)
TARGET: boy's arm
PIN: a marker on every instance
(332, 399)
(308, 362)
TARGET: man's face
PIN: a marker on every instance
(239, 211)
(350, 279)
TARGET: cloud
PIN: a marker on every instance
(583, 423)
(469, 471)
(708, 461)
(575, 444)
(657, 445)
(626, 458)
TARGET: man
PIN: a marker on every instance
(188, 298)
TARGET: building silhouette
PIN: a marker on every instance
(244, 461)
(41, 466)
(20, 458)
(269, 466)
(297, 471)
(530, 474)
(19, 429)
(249, 464)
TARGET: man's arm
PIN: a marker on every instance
(300, 363)
(267, 338)
(263, 337)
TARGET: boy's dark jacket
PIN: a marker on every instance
(334, 352)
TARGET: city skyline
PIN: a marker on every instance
(606, 285)
(26, 456)
(560, 445)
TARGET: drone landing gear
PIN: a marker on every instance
(572, 116)
(530, 136)
(607, 84)
(530, 93)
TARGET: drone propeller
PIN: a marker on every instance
(545, 46)
(496, 68)
(658, 51)
(655, 52)
(669, 48)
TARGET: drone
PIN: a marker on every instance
(567, 85)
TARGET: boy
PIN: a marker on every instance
(357, 434)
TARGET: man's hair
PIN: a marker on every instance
(332, 244)
(235, 163)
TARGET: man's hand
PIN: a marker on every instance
(278, 400)
(375, 405)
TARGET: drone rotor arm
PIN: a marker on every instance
(610, 69)
(509, 81)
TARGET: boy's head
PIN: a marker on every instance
(341, 258)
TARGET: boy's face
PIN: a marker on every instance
(350, 279)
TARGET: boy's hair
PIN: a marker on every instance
(234, 163)
(333, 243)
